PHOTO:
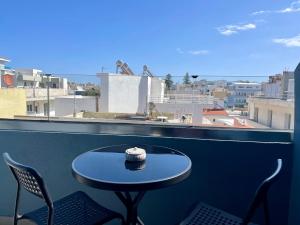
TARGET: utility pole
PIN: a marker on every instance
(48, 95)
(74, 104)
(193, 87)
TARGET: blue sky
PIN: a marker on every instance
(172, 36)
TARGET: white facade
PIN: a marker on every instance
(279, 86)
(272, 90)
(240, 91)
(28, 77)
(291, 89)
(67, 105)
(39, 107)
(191, 110)
(274, 113)
(128, 94)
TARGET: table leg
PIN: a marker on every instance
(131, 204)
(140, 222)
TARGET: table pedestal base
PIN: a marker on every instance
(131, 203)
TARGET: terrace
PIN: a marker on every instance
(228, 164)
(225, 172)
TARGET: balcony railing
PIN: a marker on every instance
(42, 92)
(224, 173)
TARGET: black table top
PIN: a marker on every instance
(106, 168)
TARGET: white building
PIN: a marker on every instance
(68, 105)
(291, 89)
(240, 91)
(3, 61)
(29, 78)
(36, 78)
(279, 86)
(37, 100)
(128, 94)
(35, 84)
(274, 113)
(7, 75)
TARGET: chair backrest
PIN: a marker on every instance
(28, 178)
(260, 198)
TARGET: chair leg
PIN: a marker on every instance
(266, 212)
(16, 217)
(123, 221)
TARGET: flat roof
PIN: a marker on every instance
(4, 59)
(246, 83)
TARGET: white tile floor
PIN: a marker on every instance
(9, 221)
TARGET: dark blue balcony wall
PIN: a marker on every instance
(295, 190)
(225, 173)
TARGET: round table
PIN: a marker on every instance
(106, 168)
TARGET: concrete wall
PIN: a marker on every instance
(144, 91)
(120, 94)
(291, 89)
(104, 87)
(179, 109)
(42, 92)
(286, 76)
(128, 94)
(279, 108)
(157, 90)
(64, 106)
(12, 102)
(273, 90)
(41, 109)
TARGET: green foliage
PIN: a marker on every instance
(92, 92)
(168, 81)
(186, 79)
(152, 108)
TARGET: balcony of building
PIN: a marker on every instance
(227, 165)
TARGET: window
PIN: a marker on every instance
(29, 108)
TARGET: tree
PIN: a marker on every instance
(92, 92)
(186, 79)
(152, 108)
(168, 81)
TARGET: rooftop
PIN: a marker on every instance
(4, 60)
(221, 112)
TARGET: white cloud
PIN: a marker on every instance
(179, 50)
(294, 7)
(261, 12)
(288, 42)
(192, 52)
(234, 29)
(198, 52)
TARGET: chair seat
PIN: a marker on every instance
(204, 214)
(75, 209)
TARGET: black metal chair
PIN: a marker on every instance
(204, 214)
(75, 209)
